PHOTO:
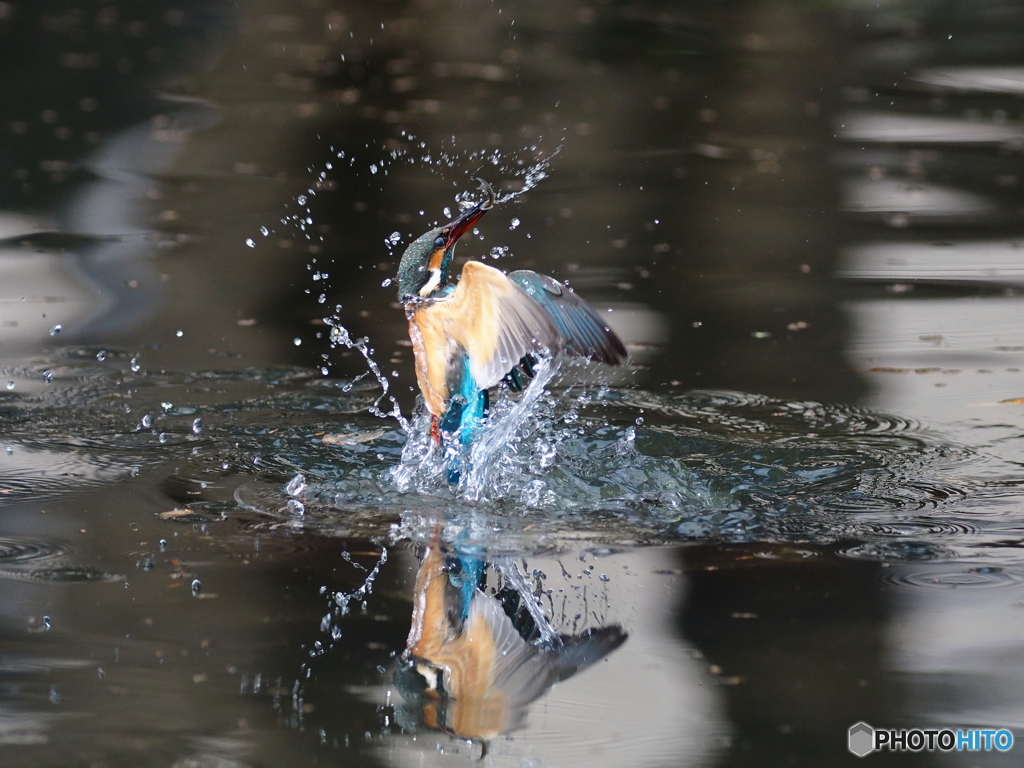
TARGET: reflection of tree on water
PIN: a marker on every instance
(477, 657)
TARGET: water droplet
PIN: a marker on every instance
(546, 452)
(10, 383)
(101, 355)
(324, 370)
(639, 421)
(46, 624)
(296, 341)
(264, 231)
(100, 673)
(146, 563)
(296, 485)
(135, 365)
(250, 242)
(374, 168)
(514, 223)
(47, 376)
(147, 421)
(197, 587)
(162, 438)
(386, 283)
(179, 333)
(163, 545)
(197, 426)
(56, 329)
(54, 694)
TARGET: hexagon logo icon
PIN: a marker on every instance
(861, 739)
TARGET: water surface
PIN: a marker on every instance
(797, 508)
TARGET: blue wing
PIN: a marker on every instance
(582, 331)
(491, 328)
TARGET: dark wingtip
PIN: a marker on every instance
(614, 351)
(581, 651)
(583, 332)
(596, 342)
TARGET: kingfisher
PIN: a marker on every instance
(486, 329)
(474, 660)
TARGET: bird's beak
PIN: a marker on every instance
(455, 228)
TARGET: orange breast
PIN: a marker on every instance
(431, 349)
(477, 708)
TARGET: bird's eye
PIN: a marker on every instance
(438, 241)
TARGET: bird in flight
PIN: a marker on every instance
(487, 328)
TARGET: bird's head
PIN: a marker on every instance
(423, 269)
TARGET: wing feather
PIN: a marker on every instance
(497, 323)
(495, 320)
(583, 332)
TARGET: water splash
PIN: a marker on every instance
(424, 464)
(544, 450)
(341, 336)
(343, 600)
(509, 570)
(702, 465)
(499, 440)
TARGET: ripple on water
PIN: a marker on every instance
(626, 466)
(19, 550)
(758, 415)
(950, 576)
(612, 464)
(27, 471)
(32, 558)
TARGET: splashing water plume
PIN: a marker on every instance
(377, 162)
(421, 466)
(341, 336)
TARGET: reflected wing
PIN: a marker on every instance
(583, 332)
(480, 671)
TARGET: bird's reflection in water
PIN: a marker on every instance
(477, 656)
